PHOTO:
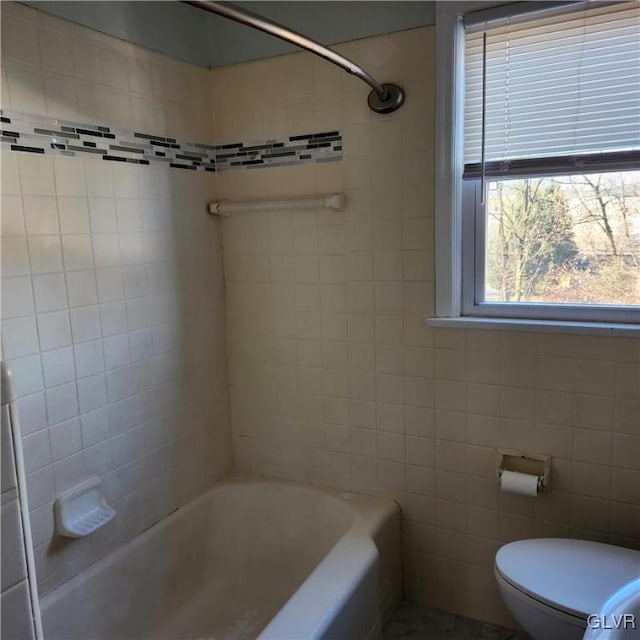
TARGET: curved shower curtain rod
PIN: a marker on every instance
(384, 98)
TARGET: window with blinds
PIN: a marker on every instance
(551, 180)
(559, 86)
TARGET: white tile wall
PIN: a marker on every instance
(335, 379)
(111, 285)
(115, 325)
(16, 619)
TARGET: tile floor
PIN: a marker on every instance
(413, 621)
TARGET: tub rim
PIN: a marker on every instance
(369, 515)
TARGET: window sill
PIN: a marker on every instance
(541, 326)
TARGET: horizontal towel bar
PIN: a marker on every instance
(334, 201)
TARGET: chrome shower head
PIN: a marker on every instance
(392, 99)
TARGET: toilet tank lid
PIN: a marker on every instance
(576, 576)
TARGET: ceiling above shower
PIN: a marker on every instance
(188, 34)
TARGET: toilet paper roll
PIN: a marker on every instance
(522, 483)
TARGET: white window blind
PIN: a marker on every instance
(556, 85)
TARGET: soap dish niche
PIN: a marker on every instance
(82, 510)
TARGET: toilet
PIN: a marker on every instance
(619, 618)
(552, 585)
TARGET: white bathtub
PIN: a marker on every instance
(248, 559)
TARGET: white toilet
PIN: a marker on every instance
(619, 618)
(552, 585)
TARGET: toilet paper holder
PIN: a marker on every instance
(537, 464)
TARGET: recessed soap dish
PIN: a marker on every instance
(82, 510)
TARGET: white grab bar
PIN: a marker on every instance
(334, 201)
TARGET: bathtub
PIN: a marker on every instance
(248, 559)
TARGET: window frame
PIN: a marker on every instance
(473, 275)
(457, 214)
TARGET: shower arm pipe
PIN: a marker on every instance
(384, 98)
(333, 201)
(289, 35)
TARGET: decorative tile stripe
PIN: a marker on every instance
(29, 133)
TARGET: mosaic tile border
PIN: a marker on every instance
(29, 133)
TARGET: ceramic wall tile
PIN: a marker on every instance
(80, 236)
(424, 410)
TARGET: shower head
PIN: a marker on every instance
(389, 101)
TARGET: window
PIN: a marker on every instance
(549, 163)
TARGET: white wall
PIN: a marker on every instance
(17, 618)
(112, 291)
(335, 379)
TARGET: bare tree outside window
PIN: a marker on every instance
(568, 239)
